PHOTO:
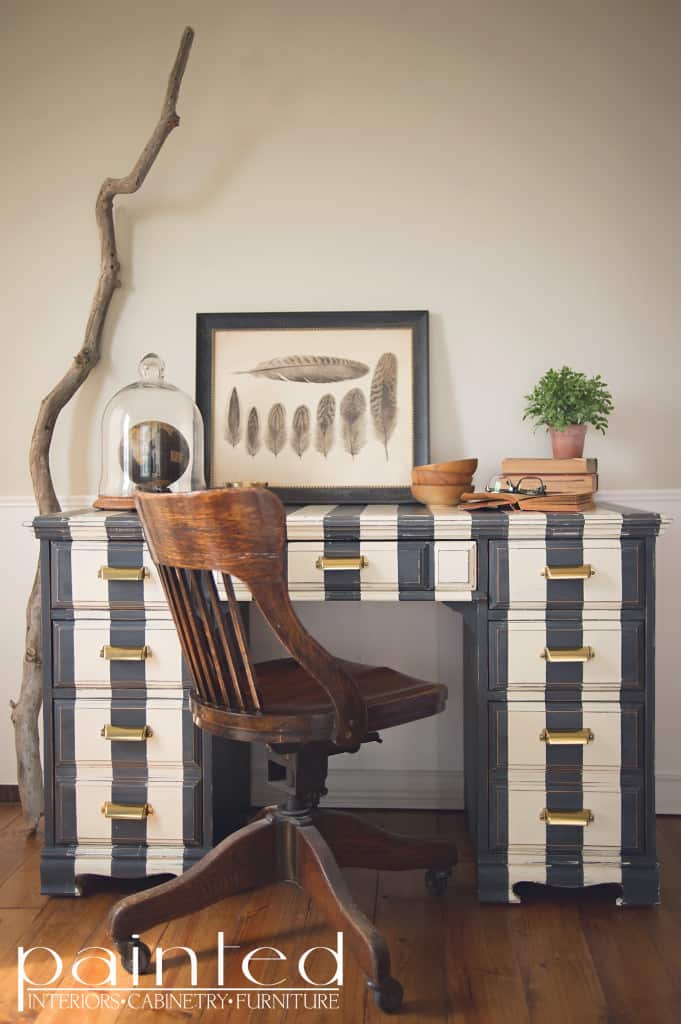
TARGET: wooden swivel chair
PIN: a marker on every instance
(304, 708)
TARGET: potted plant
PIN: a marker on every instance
(566, 402)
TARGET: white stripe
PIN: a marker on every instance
(378, 522)
(452, 524)
(307, 523)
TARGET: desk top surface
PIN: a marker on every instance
(386, 522)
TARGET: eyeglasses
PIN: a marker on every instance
(496, 485)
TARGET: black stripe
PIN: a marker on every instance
(126, 756)
(563, 634)
(127, 634)
(64, 714)
(501, 632)
(122, 789)
(62, 572)
(190, 740)
(560, 553)
(415, 522)
(415, 561)
(342, 540)
(563, 718)
(122, 592)
(627, 806)
(63, 652)
(564, 842)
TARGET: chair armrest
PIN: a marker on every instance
(349, 705)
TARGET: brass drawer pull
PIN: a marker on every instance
(126, 572)
(557, 738)
(126, 734)
(126, 812)
(111, 653)
(579, 819)
(568, 572)
(360, 562)
(565, 654)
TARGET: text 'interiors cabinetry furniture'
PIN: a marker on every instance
(559, 624)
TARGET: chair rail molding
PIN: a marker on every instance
(432, 785)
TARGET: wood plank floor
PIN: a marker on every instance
(559, 957)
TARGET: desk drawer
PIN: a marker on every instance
(527, 735)
(380, 568)
(174, 811)
(611, 656)
(141, 736)
(516, 818)
(140, 654)
(605, 574)
(93, 574)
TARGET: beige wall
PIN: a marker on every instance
(513, 167)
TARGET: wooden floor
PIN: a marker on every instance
(557, 958)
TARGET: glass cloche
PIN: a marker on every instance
(152, 439)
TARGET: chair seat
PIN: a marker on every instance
(295, 708)
(392, 698)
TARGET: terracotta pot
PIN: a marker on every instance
(568, 443)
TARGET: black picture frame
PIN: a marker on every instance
(416, 320)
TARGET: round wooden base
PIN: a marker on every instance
(111, 503)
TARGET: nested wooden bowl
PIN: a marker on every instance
(439, 494)
(433, 476)
(463, 466)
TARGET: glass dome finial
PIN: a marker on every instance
(152, 369)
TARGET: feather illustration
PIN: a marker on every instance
(275, 438)
(253, 432)
(309, 369)
(383, 398)
(300, 430)
(326, 414)
(233, 424)
(353, 414)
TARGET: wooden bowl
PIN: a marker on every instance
(432, 476)
(438, 494)
(466, 466)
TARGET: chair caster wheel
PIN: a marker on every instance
(126, 947)
(437, 880)
(388, 996)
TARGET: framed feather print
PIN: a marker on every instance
(324, 407)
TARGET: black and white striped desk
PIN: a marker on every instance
(559, 686)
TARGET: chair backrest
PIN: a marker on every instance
(241, 533)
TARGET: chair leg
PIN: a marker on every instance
(244, 860)
(358, 844)
(317, 872)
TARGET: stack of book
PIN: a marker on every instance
(570, 483)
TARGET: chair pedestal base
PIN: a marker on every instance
(307, 847)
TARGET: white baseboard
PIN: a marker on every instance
(667, 793)
(402, 790)
(439, 791)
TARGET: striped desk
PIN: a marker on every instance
(559, 687)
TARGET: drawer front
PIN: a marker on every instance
(516, 823)
(519, 663)
(607, 574)
(174, 811)
(119, 575)
(366, 569)
(79, 646)
(140, 737)
(565, 737)
(79, 571)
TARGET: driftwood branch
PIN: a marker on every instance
(26, 710)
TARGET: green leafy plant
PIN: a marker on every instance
(566, 397)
